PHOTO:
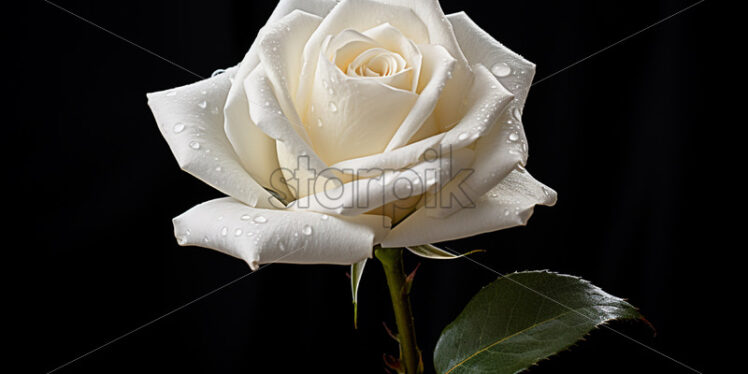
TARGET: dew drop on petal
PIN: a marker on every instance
(517, 114)
(203, 104)
(224, 230)
(501, 69)
(218, 72)
(260, 219)
(333, 107)
(319, 122)
(238, 232)
(194, 145)
(307, 230)
(513, 137)
(325, 217)
(218, 168)
(462, 136)
(171, 93)
(178, 127)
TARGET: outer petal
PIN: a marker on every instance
(260, 236)
(513, 71)
(191, 122)
(291, 139)
(281, 45)
(508, 204)
(250, 144)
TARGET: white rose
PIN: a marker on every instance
(353, 124)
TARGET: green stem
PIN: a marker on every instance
(392, 262)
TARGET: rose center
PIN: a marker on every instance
(376, 62)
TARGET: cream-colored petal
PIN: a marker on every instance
(448, 111)
(358, 15)
(397, 159)
(508, 204)
(262, 236)
(392, 39)
(512, 70)
(281, 46)
(191, 121)
(344, 47)
(250, 144)
(352, 117)
(295, 155)
(436, 71)
(364, 195)
(500, 143)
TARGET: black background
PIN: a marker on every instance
(624, 137)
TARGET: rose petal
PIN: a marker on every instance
(295, 155)
(191, 121)
(399, 158)
(364, 195)
(261, 236)
(392, 39)
(499, 148)
(281, 45)
(255, 150)
(508, 204)
(353, 117)
(441, 33)
(436, 70)
(358, 15)
(513, 71)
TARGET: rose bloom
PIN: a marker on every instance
(353, 124)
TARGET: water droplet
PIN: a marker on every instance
(178, 127)
(171, 93)
(205, 239)
(331, 91)
(224, 230)
(501, 69)
(517, 114)
(325, 217)
(312, 108)
(182, 240)
(546, 192)
(260, 219)
(203, 104)
(462, 136)
(238, 232)
(217, 72)
(513, 137)
(194, 145)
(506, 212)
(250, 233)
(333, 107)
(218, 168)
(307, 230)
(319, 122)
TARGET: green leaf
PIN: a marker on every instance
(357, 271)
(523, 318)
